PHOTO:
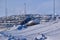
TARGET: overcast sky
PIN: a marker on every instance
(32, 7)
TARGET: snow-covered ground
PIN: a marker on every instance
(50, 29)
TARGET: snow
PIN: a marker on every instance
(50, 29)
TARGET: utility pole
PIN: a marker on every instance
(6, 10)
(25, 8)
(54, 7)
(54, 18)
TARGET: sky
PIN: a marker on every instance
(16, 7)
